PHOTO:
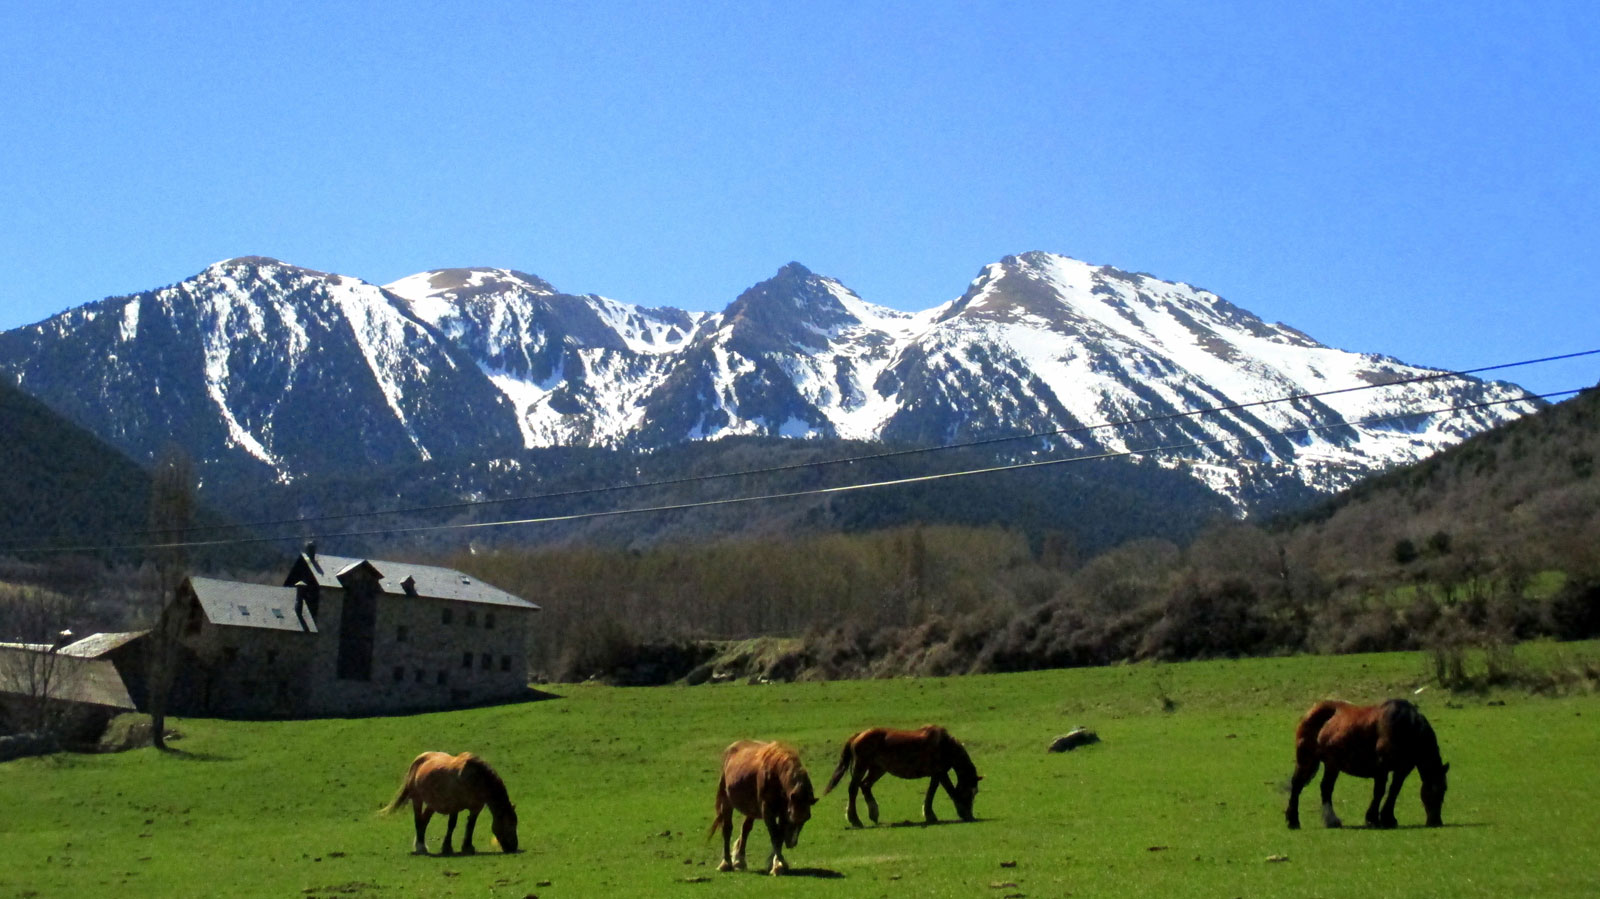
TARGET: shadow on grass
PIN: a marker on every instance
(940, 823)
(459, 856)
(824, 873)
(1368, 827)
(170, 752)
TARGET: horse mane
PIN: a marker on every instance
(958, 757)
(1404, 717)
(786, 764)
(498, 798)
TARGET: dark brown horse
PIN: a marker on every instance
(449, 784)
(1374, 741)
(913, 754)
(766, 781)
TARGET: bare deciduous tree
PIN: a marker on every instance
(171, 514)
(34, 674)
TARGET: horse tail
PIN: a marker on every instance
(845, 759)
(405, 788)
(723, 804)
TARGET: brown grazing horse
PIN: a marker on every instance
(448, 784)
(766, 781)
(1367, 741)
(913, 754)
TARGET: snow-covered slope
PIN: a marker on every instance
(575, 368)
(1045, 342)
(259, 366)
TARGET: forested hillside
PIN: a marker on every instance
(1516, 500)
(60, 482)
(1491, 542)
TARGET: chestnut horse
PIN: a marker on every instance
(766, 781)
(1367, 741)
(447, 784)
(930, 752)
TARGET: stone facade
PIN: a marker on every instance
(349, 637)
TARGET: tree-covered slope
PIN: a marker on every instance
(58, 481)
(1522, 496)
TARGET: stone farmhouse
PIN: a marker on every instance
(347, 636)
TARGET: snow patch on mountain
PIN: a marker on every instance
(459, 360)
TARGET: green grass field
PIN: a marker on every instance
(614, 789)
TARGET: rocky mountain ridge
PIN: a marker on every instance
(265, 370)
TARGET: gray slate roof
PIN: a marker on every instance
(96, 645)
(94, 681)
(231, 603)
(431, 581)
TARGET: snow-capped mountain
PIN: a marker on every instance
(574, 368)
(268, 366)
(257, 367)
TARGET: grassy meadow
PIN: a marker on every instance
(614, 790)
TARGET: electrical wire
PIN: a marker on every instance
(850, 460)
(817, 491)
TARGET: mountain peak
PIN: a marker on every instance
(795, 307)
(255, 264)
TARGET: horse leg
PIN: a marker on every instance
(744, 841)
(420, 816)
(449, 834)
(1330, 775)
(928, 817)
(950, 790)
(858, 775)
(725, 821)
(1386, 819)
(1378, 783)
(466, 838)
(1303, 772)
(866, 790)
(775, 827)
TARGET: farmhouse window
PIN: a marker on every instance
(488, 621)
(422, 676)
(505, 663)
(487, 662)
(444, 677)
(466, 660)
(272, 656)
(472, 618)
(444, 617)
(244, 611)
(230, 654)
(399, 673)
(400, 634)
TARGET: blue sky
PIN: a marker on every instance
(1416, 179)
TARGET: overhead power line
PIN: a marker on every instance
(867, 457)
(817, 491)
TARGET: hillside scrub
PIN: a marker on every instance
(938, 601)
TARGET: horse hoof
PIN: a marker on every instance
(777, 868)
(468, 850)
(725, 866)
